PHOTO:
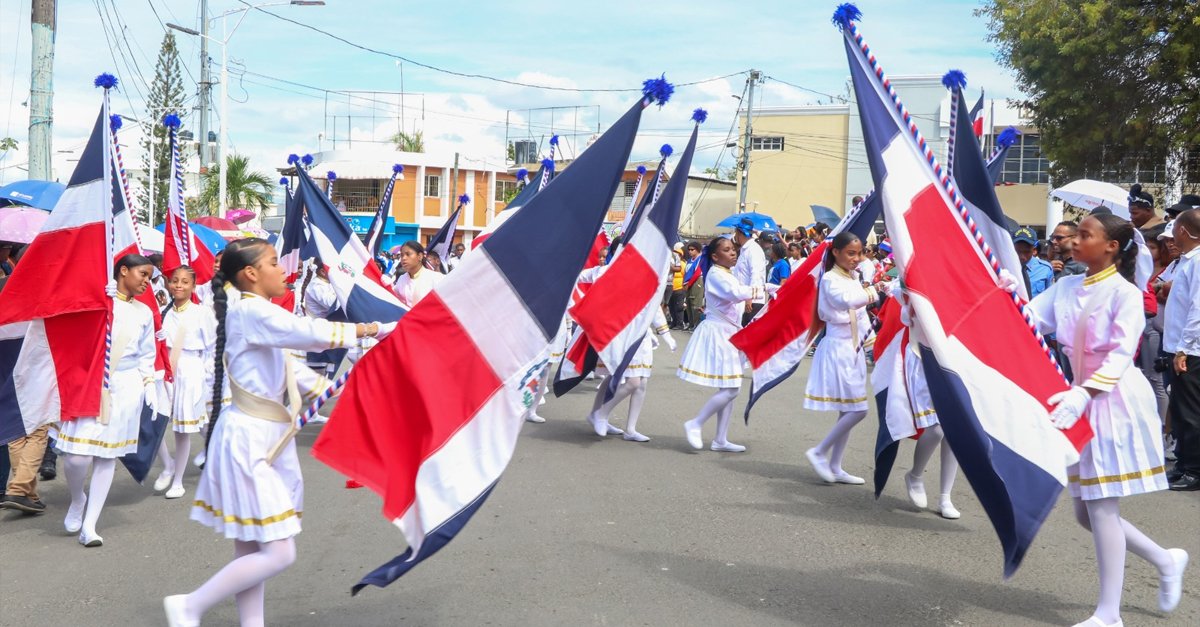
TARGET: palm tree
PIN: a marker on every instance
(409, 142)
(244, 188)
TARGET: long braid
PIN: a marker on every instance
(220, 305)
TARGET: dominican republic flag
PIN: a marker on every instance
(441, 241)
(375, 233)
(634, 218)
(180, 246)
(544, 176)
(889, 380)
(1004, 141)
(352, 271)
(598, 245)
(430, 417)
(55, 370)
(969, 175)
(579, 358)
(692, 272)
(976, 117)
(778, 339)
(620, 306)
(988, 371)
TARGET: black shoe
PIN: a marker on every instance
(23, 504)
(1174, 474)
(48, 472)
(1186, 483)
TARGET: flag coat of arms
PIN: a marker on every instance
(429, 418)
(988, 372)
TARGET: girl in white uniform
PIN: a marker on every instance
(416, 281)
(244, 494)
(190, 331)
(1098, 320)
(709, 358)
(99, 441)
(633, 384)
(838, 379)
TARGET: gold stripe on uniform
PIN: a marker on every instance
(1129, 476)
(1100, 276)
(826, 399)
(927, 412)
(720, 377)
(67, 438)
(246, 522)
(1099, 378)
(188, 423)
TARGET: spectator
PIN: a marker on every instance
(456, 253)
(796, 255)
(678, 300)
(1141, 209)
(1062, 244)
(694, 282)
(1181, 337)
(780, 268)
(1038, 272)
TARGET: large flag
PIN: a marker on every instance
(429, 418)
(530, 189)
(777, 340)
(988, 371)
(375, 233)
(352, 271)
(58, 292)
(180, 246)
(441, 241)
(620, 306)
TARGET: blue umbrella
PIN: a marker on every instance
(37, 194)
(761, 221)
(211, 239)
(826, 215)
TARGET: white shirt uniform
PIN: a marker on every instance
(709, 358)
(1098, 321)
(191, 335)
(133, 338)
(1181, 318)
(751, 270)
(866, 270)
(837, 380)
(204, 293)
(240, 494)
(410, 290)
(319, 298)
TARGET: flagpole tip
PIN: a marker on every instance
(554, 140)
(845, 14)
(397, 169)
(699, 116)
(105, 80)
(1008, 137)
(114, 122)
(293, 159)
(283, 180)
(331, 176)
(548, 164)
(465, 199)
(954, 79)
(307, 160)
(657, 90)
(171, 121)
(522, 175)
(641, 170)
(666, 150)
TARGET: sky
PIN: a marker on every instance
(611, 45)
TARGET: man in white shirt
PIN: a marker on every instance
(1181, 337)
(751, 266)
(455, 257)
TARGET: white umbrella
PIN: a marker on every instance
(1089, 194)
(152, 239)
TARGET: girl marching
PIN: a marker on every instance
(633, 383)
(416, 280)
(251, 490)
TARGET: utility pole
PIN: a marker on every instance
(41, 97)
(205, 87)
(454, 182)
(755, 77)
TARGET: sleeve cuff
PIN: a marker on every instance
(1100, 382)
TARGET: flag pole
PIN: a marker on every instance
(107, 82)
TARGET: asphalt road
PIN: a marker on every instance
(585, 531)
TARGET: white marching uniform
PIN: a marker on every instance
(191, 335)
(919, 398)
(410, 290)
(240, 494)
(319, 298)
(642, 364)
(1126, 455)
(205, 293)
(133, 339)
(710, 359)
(838, 378)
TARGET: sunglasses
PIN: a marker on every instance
(1059, 238)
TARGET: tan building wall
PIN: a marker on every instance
(1024, 203)
(809, 170)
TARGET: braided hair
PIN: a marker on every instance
(1120, 230)
(239, 255)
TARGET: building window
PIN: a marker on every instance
(630, 187)
(505, 190)
(433, 186)
(1025, 163)
(766, 143)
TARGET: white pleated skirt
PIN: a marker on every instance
(1126, 455)
(558, 346)
(189, 412)
(924, 415)
(86, 436)
(642, 364)
(837, 380)
(240, 495)
(709, 358)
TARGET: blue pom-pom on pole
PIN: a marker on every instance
(331, 175)
(114, 122)
(548, 164)
(954, 79)
(641, 170)
(465, 199)
(522, 174)
(397, 169)
(658, 90)
(105, 80)
(171, 120)
(666, 150)
(844, 14)
(554, 140)
(306, 160)
(293, 159)
(1008, 137)
(283, 181)
(699, 116)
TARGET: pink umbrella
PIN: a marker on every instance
(238, 216)
(21, 224)
(216, 224)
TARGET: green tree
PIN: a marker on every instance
(726, 174)
(1111, 83)
(8, 144)
(409, 142)
(166, 96)
(244, 188)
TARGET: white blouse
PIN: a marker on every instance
(724, 295)
(319, 298)
(843, 297)
(197, 324)
(134, 320)
(412, 289)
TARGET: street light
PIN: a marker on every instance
(227, 34)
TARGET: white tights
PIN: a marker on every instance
(721, 405)
(1113, 535)
(633, 388)
(76, 469)
(833, 446)
(928, 441)
(245, 579)
(183, 445)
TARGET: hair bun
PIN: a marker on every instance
(1135, 189)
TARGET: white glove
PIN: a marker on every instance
(1007, 282)
(160, 335)
(670, 341)
(771, 288)
(884, 287)
(1069, 405)
(151, 399)
(385, 329)
(110, 288)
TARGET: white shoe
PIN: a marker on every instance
(318, 420)
(175, 608)
(90, 540)
(1170, 587)
(615, 430)
(175, 493)
(541, 401)
(727, 447)
(916, 491)
(533, 417)
(693, 435)
(847, 478)
(599, 425)
(634, 436)
(948, 511)
(74, 522)
(1096, 622)
(163, 481)
(200, 458)
(820, 465)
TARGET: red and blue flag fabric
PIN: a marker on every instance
(429, 418)
(988, 371)
(692, 272)
(444, 238)
(977, 118)
(180, 246)
(893, 395)
(375, 232)
(543, 178)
